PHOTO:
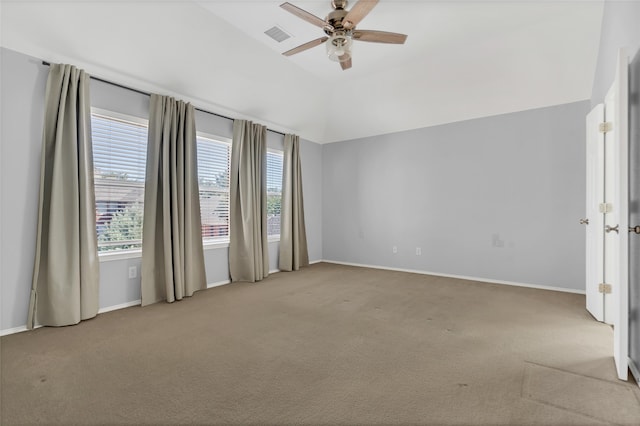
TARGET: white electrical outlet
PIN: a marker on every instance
(133, 272)
(394, 249)
(418, 251)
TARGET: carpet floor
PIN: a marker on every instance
(329, 344)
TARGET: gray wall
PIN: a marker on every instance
(23, 80)
(492, 198)
(620, 28)
(23, 83)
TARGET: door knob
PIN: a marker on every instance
(635, 229)
(608, 228)
(584, 221)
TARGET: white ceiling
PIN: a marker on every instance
(462, 59)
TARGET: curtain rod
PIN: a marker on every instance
(149, 94)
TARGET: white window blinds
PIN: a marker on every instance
(274, 192)
(119, 159)
(214, 159)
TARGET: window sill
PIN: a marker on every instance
(119, 255)
(136, 254)
(213, 245)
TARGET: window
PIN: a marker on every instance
(119, 160)
(214, 159)
(274, 192)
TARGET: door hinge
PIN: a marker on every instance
(604, 288)
(605, 127)
(605, 207)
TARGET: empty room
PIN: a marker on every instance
(319, 212)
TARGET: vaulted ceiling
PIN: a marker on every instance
(462, 59)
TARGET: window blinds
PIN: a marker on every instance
(119, 159)
(274, 192)
(214, 159)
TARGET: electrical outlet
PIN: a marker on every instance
(394, 249)
(496, 241)
(133, 272)
(418, 251)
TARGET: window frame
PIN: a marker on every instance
(217, 242)
(112, 255)
(208, 244)
(276, 237)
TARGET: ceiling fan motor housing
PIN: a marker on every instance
(335, 19)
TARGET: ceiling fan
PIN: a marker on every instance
(340, 29)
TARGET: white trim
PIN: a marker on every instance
(218, 284)
(108, 256)
(14, 330)
(120, 116)
(120, 306)
(634, 371)
(632, 366)
(213, 138)
(461, 277)
(275, 238)
(214, 245)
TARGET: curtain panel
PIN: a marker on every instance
(172, 252)
(293, 235)
(65, 282)
(248, 247)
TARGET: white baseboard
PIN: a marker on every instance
(218, 284)
(412, 271)
(120, 306)
(634, 371)
(14, 330)
(225, 282)
(461, 277)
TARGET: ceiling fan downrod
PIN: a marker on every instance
(339, 4)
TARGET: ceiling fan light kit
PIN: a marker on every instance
(339, 47)
(340, 27)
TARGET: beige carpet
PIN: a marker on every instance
(327, 345)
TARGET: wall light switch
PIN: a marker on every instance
(418, 251)
(394, 249)
(133, 272)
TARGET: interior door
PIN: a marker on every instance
(594, 219)
(616, 269)
(634, 216)
(611, 276)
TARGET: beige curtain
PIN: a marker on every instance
(248, 248)
(64, 290)
(293, 236)
(172, 254)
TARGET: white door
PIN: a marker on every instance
(611, 168)
(617, 222)
(594, 219)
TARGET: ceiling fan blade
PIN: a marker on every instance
(358, 12)
(308, 45)
(303, 14)
(379, 36)
(346, 64)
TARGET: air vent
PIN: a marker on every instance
(277, 33)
